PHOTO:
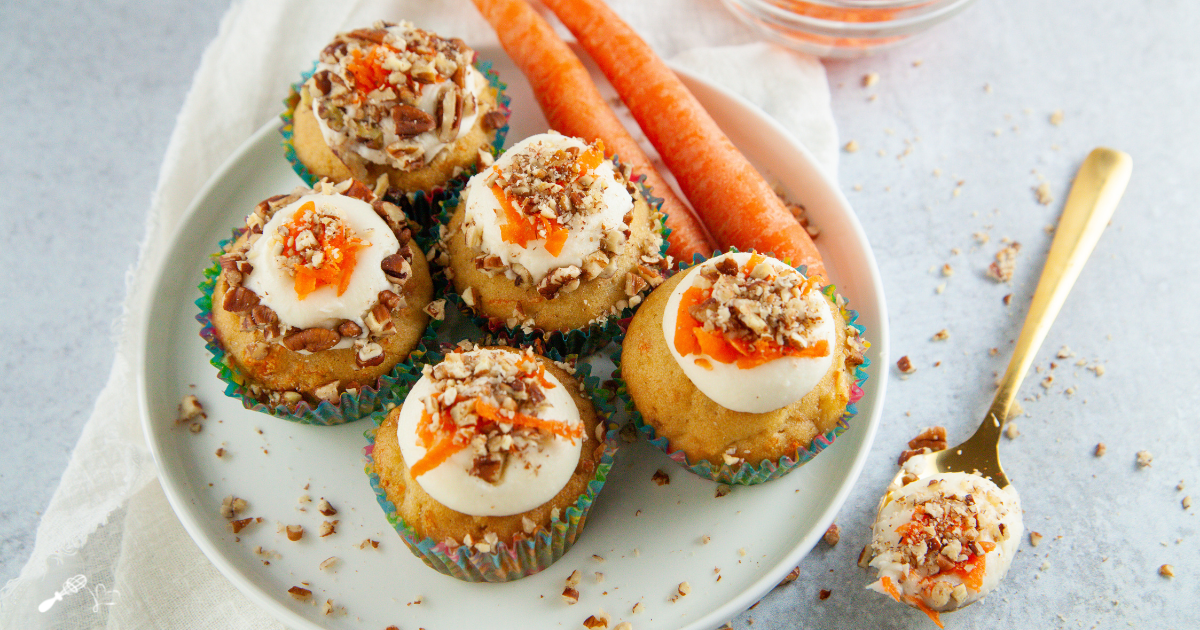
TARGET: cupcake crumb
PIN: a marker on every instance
(1002, 268)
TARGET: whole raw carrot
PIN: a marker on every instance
(733, 200)
(573, 106)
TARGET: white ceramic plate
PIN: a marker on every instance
(649, 536)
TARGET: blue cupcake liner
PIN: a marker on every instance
(523, 555)
(744, 473)
(348, 408)
(418, 205)
(580, 341)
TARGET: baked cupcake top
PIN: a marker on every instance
(489, 432)
(394, 94)
(321, 269)
(750, 332)
(946, 540)
(550, 211)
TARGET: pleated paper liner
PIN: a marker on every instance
(349, 407)
(523, 554)
(421, 207)
(580, 341)
(746, 474)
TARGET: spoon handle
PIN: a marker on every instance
(1098, 187)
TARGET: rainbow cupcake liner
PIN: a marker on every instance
(523, 555)
(421, 207)
(746, 474)
(580, 341)
(348, 408)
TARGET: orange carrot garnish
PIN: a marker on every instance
(573, 106)
(931, 613)
(556, 427)
(438, 453)
(889, 588)
(733, 200)
(338, 251)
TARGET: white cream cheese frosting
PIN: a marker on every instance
(762, 388)
(924, 535)
(532, 476)
(586, 231)
(275, 284)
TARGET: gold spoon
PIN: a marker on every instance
(1098, 187)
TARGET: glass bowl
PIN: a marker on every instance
(843, 28)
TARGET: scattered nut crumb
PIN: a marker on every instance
(947, 270)
(597, 558)
(1048, 381)
(624, 625)
(905, 365)
(294, 532)
(570, 596)
(1186, 502)
(328, 528)
(221, 451)
(851, 146)
(1101, 449)
(832, 535)
(870, 78)
(864, 557)
(231, 506)
(240, 524)
(599, 620)
(374, 544)
(1014, 410)
(1144, 458)
(638, 607)
(1001, 270)
(190, 409)
(1097, 368)
(792, 576)
(328, 563)
(722, 490)
(661, 478)
(981, 237)
(1035, 538)
(300, 594)
(1166, 571)
(1065, 353)
(195, 427)
(1056, 117)
(1043, 194)
(941, 335)
(824, 594)
(940, 288)
(704, 540)
(742, 552)
(325, 508)
(1011, 431)
(684, 589)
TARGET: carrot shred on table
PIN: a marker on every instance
(574, 106)
(732, 199)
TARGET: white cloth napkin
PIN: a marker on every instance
(109, 519)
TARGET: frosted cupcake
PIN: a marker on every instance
(490, 465)
(398, 108)
(319, 297)
(554, 238)
(944, 541)
(741, 368)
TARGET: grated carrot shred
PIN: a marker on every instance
(556, 427)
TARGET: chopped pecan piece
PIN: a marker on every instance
(239, 299)
(311, 340)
